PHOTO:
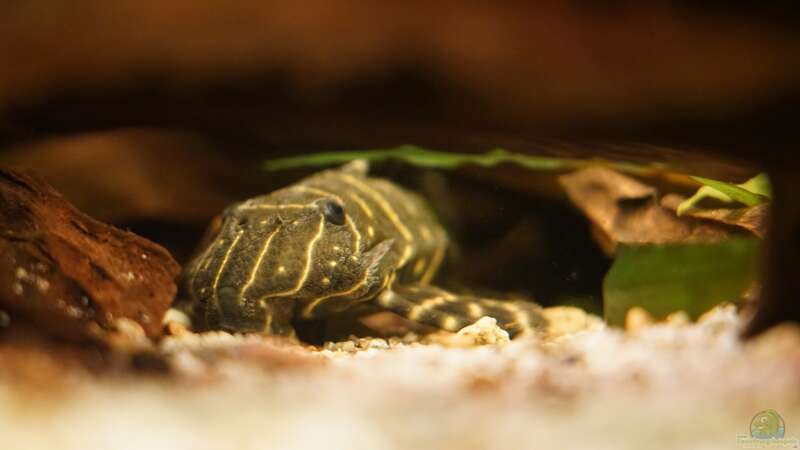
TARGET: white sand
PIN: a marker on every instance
(664, 386)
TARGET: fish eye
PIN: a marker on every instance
(333, 212)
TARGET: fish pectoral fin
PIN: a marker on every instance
(379, 256)
(442, 309)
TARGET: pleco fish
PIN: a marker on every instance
(334, 240)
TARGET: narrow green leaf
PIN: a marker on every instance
(443, 160)
(702, 193)
(759, 184)
(668, 278)
(733, 191)
(754, 191)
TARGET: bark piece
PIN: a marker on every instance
(71, 275)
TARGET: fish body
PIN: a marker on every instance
(336, 239)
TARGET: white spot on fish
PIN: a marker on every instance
(426, 233)
(450, 323)
(42, 284)
(419, 266)
(475, 310)
(332, 263)
(407, 251)
(281, 269)
(326, 281)
(73, 311)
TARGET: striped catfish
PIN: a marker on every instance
(332, 241)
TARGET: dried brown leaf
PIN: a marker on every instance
(751, 218)
(627, 211)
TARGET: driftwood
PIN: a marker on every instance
(71, 275)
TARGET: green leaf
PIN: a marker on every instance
(759, 184)
(668, 278)
(752, 192)
(443, 160)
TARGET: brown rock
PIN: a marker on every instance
(71, 275)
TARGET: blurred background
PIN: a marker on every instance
(155, 115)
